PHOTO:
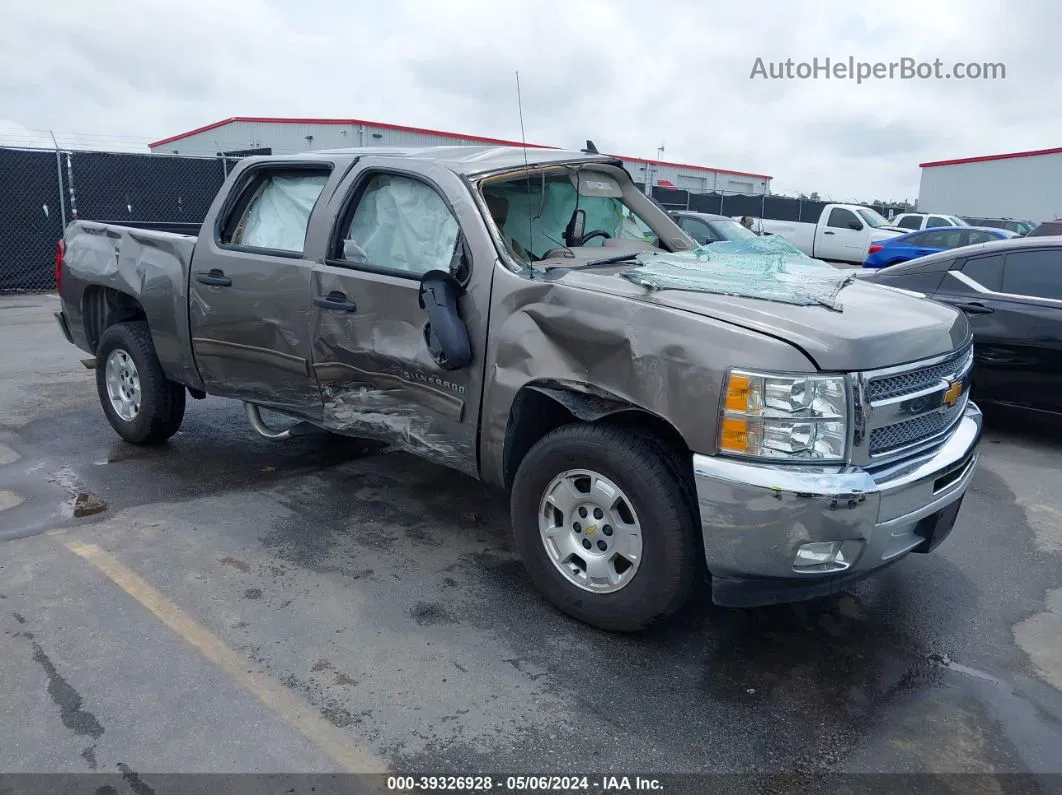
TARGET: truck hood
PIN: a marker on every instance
(875, 327)
(886, 233)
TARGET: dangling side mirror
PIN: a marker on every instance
(445, 333)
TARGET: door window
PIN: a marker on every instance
(840, 218)
(976, 236)
(698, 230)
(986, 271)
(1034, 273)
(936, 220)
(949, 238)
(399, 224)
(910, 222)
(273, 211)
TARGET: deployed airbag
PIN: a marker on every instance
(279, 214)
(403, 224)
(768, 268)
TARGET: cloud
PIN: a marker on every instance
(629, 75)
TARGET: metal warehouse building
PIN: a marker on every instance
(243, 135)
(1020, 185)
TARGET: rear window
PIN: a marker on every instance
(910, 222)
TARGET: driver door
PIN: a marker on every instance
(377, 375)
(843, 238)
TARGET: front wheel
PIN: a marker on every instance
(604, 527)
(141, 404)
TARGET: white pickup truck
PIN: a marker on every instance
(844, 232)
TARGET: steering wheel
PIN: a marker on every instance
(595, 233)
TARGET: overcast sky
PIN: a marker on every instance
(629, 75)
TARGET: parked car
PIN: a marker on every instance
(532, 319)
(1047, 228)
(1014, 225)
(843, 232)
(708, 228)
(1011, 290)
(919, 221)
(930, 241)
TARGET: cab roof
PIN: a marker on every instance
(470, 160)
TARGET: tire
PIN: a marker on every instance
(158, 414)
(670, 557)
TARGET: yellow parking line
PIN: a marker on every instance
(329, 738)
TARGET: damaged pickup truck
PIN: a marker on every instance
(658, 411)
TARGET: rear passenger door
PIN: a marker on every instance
(249, 289)
(394, 223)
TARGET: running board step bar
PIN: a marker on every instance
(254, 417)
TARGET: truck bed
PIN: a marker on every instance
(145, 264)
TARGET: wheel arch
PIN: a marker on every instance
(541, 406)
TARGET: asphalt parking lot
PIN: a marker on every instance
(227, 604)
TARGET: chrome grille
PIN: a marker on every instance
(901, 409)
(901, 434)
(885, 387)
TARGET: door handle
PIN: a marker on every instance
(214, 278)
(829, 233)
(336, 301)
(975, 308)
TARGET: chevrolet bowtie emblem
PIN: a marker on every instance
(951, 397)
(590, 529)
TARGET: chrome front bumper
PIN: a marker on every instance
(755, 517)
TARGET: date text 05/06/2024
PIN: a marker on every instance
(603, 784)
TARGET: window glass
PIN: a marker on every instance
(840, 218)
(980, 236)
(732, 230)
(910, 222)
(943, 238)
(278, 212)
(1034, 273)
(873, 217)
(936, 220)
(986, 271)
(698, 230)
(533, 215)
(401, 224)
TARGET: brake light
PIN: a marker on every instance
(874, 249)
(60, 250)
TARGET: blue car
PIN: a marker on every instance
(930, 241)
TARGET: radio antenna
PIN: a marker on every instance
(527, 172)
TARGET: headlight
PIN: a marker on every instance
(800, 418)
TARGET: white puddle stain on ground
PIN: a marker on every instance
(1039, 635)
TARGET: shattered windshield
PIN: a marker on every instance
(535, 213)
(768, 268)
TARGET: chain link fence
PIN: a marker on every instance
(43, 190)
(761, 205)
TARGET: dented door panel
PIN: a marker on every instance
(377, 376)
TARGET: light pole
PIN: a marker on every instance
(650, 171)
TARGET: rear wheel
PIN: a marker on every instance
(604, 526)
(141, 404)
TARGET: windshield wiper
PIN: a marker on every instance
(629, 257)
